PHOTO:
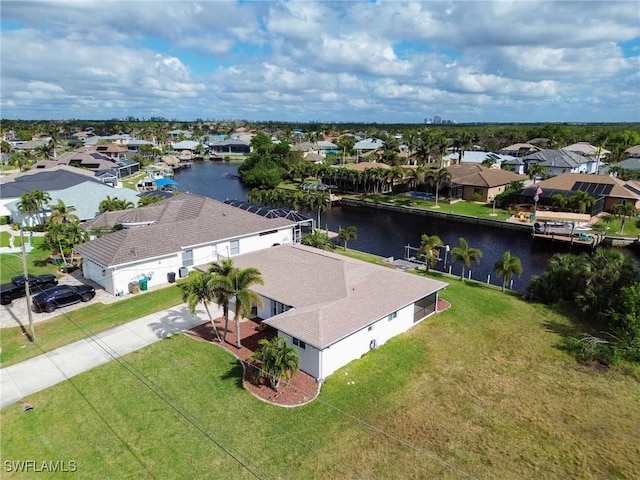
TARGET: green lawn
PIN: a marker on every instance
(5, 236)
(480, 389)
(631, 227)
(37, 262)
(94, 318)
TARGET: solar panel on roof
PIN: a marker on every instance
(593, 189)
(633, 189)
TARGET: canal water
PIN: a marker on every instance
(387, 233)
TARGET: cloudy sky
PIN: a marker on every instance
(380, 61)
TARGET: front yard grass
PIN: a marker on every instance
(479, 390)
(93, 318)
(37, 261)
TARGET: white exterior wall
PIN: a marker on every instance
(116, 279)
(309, 357)
(357, 344)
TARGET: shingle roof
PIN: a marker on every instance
(566, 181)
(47, 180)
(479, 176)
(633, 151)
(557, 158)
(351, 295)
(629, 164)
(175, 223)
(585, 148)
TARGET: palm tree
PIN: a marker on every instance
(506, 268)
(197, 290)
(41, 199)
(346, 234)
(624, 210)
(581, 200)
(27, 206)
(277, 361)
(465, 255)
(318, 239)
(437, 178)
(241, 281)
(428, 250)
(114, 204)
(559, 201)
(61, 213)
(222, 287)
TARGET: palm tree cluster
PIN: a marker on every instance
(277, 361)
(222, 284)
(624, 210)
(373, 180)
(313, 202)
(319, 239)
(63, 231)
(33, 205)
(346, 234)
(114, 204)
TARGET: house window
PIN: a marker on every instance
(392, 316)
(234, 247)
(187, 258)
(277, 308)
(299, 343)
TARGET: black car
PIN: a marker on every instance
(61, 296)
(16, 289)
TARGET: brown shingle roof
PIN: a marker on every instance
(362, 166)
(178, 222)
(566, 181)
(350, 296)
(479, 176)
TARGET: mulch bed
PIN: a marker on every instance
(301, 389)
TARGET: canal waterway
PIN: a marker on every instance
(387, 233)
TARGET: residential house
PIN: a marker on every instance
(557, 162)
(587, 150)
(75, 187)
(633, 152)
(92, 160)
(231, 146)
(607, 191)
(519, 149)
(478, 183)
(475, 157)
(167, 238)
(355, 308)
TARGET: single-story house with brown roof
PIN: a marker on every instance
(607, 191)
(167, 238)
(355, 308)
(478, 183)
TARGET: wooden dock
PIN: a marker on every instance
(584, 240)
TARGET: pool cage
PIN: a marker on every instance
(304, 223)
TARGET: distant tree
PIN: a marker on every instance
(346, 234)
(318, 239)
(581, 200)
(428, 251)
(276, 360)
(507, 267)
(466, 255)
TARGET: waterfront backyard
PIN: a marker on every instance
(481, 390)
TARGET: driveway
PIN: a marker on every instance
(15, 314)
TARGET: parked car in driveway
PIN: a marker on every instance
(62, 296)
(16, 289)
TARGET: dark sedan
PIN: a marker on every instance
(62, 296)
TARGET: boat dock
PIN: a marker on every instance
(581, 239)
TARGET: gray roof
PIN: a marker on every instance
(173, 224)
(332, 296)
(629, 164)
(557, 158)
(47, 180)
(231, 141)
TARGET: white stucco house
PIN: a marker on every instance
(166, 239)
(334, 309)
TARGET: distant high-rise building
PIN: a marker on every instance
(437, 120)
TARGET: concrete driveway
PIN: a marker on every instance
(15, 315)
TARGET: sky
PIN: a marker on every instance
(310, 61)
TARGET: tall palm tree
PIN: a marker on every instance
(42, 199)
(346, 234)
(507, 267)
(428, 250)
(197, 290)
(27, 206)
(222, 287)
(624, 210)
(437, 178)
(466, 255)
(242, 280)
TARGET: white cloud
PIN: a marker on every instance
(384, 61)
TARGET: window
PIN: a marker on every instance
(392, 316)
(299, 343)
(234, 247)
(187, 258)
